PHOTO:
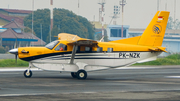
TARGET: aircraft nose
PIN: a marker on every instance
(13, 51)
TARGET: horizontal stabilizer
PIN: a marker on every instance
(158, 49)
(163, 49)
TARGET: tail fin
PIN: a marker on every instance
(154, 33)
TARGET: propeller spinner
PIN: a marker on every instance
(15, 52)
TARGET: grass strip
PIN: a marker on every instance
(169, 60)
(12, 63)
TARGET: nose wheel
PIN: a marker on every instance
(27, 73)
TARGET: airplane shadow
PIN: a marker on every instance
(87, 79)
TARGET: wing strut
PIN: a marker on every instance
(73, 54)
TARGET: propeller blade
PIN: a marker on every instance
(16, 57)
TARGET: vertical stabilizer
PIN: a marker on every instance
(154, 33)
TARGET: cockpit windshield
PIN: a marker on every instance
(52, 44)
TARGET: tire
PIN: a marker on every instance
(73, 74)
(81, 74)
(27, 75)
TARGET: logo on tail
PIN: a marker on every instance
(157, 29)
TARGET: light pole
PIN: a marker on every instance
(102, 16)
(32, 18)
(51, 17)
(41, 33)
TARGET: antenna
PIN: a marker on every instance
(157, 5)
(102, 2)
(166, 6)
(78, 6)
(122, 3)
(174, 14)
(116, 14)
(51, 14)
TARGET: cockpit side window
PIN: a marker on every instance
(61, 47)
(110, 50)
(52, 44)
(88, 49)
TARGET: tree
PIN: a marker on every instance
(170, 23)
(64, 22)
(2, 50)
(40, 17)
(173, 24)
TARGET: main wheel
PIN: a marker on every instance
(26, 74)
(81, 74)
(73, 74)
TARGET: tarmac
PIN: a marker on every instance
(157, 83)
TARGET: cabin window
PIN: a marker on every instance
(110, 50)
(88, 49)
(52, 44)
(78, 49)
(61, 47)
(99, 49)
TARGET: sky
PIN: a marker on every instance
(137, 13)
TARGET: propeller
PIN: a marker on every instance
(16, 57)
(15, 52)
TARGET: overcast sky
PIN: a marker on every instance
(137, 13)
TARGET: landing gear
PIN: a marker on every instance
(73, 74)
(27, 73)
(81, 74)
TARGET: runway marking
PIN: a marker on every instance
(25, 94)
(10, 73)
(6, 95)
(138, 67)
(176, 77)
(89, 92)
(17, 69)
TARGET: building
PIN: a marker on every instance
(11, 30)
(6, 15)
(98, 30)
(12, 36)
(114, 32)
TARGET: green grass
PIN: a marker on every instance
(169, 60)
(12, 63)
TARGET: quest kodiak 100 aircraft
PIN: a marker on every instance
(78, 56)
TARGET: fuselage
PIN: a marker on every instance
(105, 54)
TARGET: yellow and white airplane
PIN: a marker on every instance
(78, 56)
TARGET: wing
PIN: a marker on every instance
(84, 42)
(68, 37)
(76, 40)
